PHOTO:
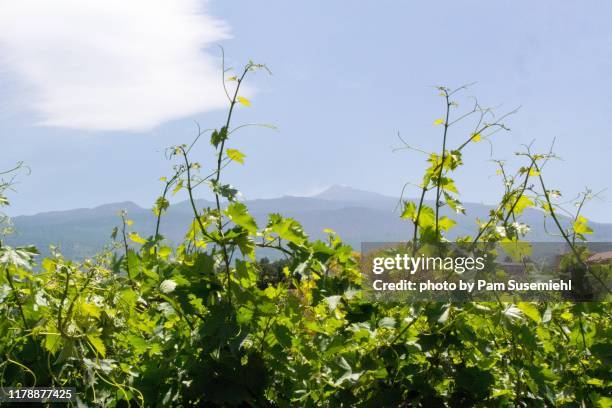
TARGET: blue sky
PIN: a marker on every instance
(92, 96)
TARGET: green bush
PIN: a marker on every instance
(206, 324)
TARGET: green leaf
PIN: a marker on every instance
(97, 344)
(387, 322)
(446, 223)
(409, 210)
(348, 375)
(89, 309)
(236, 155)
(164, 251)
(224, 190)
(517, 250)
(244, 101)
(246, 274)
(512, 312)
(547, 315)
(282, 335)
(530, 310)
(534, 173)
(604, 402)
(448, 184)
(333, 302)
(238, 213)
(581, 227)
(445, 314)
(287, 229)
(22, 257)
(427, 217)
(218, 136)
(453, 203)
(137, 238)
(167, 286)
(246, 245)
(178, 187)
(133, 262)
(139, 344)
(522, 203)
(53, 341)
(596, 382)
(161, 205)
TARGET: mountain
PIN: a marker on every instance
(349, 194)
(356, 215)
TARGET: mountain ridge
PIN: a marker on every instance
(343, 192)
(356, 215)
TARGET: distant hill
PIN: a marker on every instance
(356, 215)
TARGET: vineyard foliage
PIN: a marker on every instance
(147, 324)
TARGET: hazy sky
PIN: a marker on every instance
(92, 92)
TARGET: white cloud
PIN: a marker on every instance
(112, 64)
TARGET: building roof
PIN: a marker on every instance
(600, 257)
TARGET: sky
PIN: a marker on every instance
(92, 93)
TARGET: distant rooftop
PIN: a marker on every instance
(600, 257)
